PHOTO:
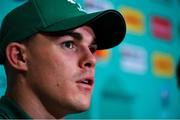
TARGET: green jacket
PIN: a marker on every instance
(9, 109)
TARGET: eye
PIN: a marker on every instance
(93, 48)
(69, 44)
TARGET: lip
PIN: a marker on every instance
(84, 86)
(90, 80)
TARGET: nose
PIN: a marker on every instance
(88, 60)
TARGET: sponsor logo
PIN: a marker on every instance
(134, 59)
(102, 54)
(161, 28)
(134, 20)
(163, 65)
(116, 95)
(165, 97)
(97, 5)
(113, 98)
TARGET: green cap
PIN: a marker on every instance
(60, 15)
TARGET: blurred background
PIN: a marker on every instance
(136, 79)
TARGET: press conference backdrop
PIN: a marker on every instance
(137, 78)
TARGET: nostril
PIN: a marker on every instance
(88, 65)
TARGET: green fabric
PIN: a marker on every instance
(9, 109)
(60, 15)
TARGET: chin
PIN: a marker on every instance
(79, 105)
(81, 108)
(79, 111)
(85, 108)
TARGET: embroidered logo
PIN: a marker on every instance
(72, 1)
(78, 5)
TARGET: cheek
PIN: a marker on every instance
(66, 63)
(52, 69)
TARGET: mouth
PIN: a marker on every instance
(86, 82)
(86, 85)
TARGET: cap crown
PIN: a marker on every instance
(35, 15)
(56, 10)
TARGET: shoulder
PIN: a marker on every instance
(9, 109)
(2, 116)
(3, 111)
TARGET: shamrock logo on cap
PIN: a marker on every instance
(72, 1)
(79, 6)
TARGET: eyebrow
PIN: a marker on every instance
(73, 34)
(76, 35)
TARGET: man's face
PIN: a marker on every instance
(61, 69)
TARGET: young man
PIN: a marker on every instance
(48, 51)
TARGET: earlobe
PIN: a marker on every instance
(16, 56)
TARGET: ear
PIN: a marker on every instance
(16, 54)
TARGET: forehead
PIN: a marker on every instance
(86, 29)
(81, 33)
